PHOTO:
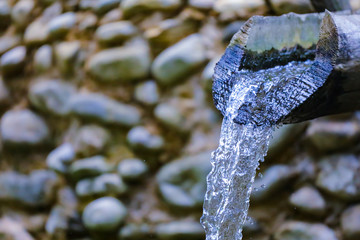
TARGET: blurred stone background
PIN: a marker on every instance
(107, 127)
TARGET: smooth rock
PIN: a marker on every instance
(4, 93)
(147, 93)
(170, 116)
(57, 222)
(101, 108)
(60, 158)
(178, 61)
(66, 54)
(182, 183)
(103, 6)
(61, 25)
(134, 232)
(283, 137)
(121, 64)
(5, 12)
(326, 136)
(12, 62)
(308, 200)
(43, 59)
(21, 13)
(90, 140)
(350, 222)
(273, 180)
(202, 4)
(115, 33)
(109, 184)
(23, 128)
(339, 176)
(103, 185)
(132, 169)
(131, 7)
(207, 74)
(285, 6)
(295, 230)
(89, 167)
(139, 138)
(8, 42)
(230, 9)
(88, 22)
(170, 31)
(51, 96)
(12, 230)
(37, 33)
(231, 29)
(34, 190)
(180, 230)
(104, 214)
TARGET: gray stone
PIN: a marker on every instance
(132, 169)
(21, 13)
(283, 137)
(207, 74)
(350, 222)
(90, 140)
(101, 108)
(130, 7)
(61, 25)
(88, 22)
(5, 11)
(296, 6)
(36, 33)
(12, 62)
(115, 33)
(51, 96)
(134, 232)
(231, 29)
(139, 138)
(103, 6)
(109, 184)
(170, 116)
(326, 136)
(180, 230)
(147, 93)
(104, 214)
(60, 158)
(89, 167)
(8, 42)
(13, 230)
(339, 176)
(295, 230)
(273, 180)
(103, 185)
(202, 4)
(230, 10)
(34, 190)
(66, 55)
(178, 61)
(121, 64)
(308, 200)
(184, 192)
(23, 128)
(57, 222)
(43, 59)
(4, 93)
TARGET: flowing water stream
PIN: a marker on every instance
(241, 149)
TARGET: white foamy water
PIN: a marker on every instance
(241, 149)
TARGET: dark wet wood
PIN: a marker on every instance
(330, 85)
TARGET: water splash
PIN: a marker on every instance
(240, 150)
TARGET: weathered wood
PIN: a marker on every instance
(331, 5)
(329, 85)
